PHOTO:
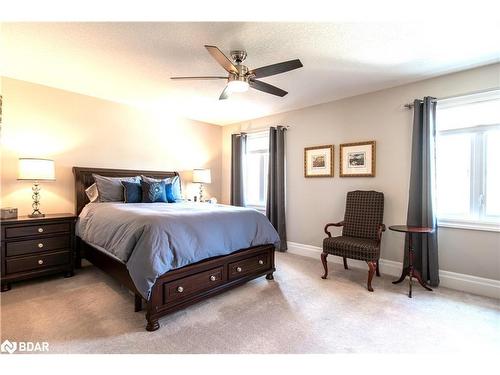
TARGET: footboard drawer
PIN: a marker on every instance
(182, 288)
(249, 265)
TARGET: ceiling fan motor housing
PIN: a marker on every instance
(238, 56)
(242, 74)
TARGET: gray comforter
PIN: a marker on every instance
(153, 238)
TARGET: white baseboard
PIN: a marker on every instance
(457, 281)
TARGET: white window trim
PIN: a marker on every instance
(469, 98)
(469, 224)
(258, 134)
(477, 224)
(477, 208)
(258, 208)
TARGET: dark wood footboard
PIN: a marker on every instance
(182, 287)
(185, 286)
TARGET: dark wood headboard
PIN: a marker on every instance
(83, 179)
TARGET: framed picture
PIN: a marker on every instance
(318, 161)
(357, 159)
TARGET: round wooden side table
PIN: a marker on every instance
(409, 270)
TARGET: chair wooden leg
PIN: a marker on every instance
(325, 265)
(372, 266)
(378, 270)
(345, 263)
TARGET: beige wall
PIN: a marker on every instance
(376, 116)
(78, 130)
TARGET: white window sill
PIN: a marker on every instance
(258, 208)
(470, 225)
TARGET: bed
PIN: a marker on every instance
(166, 274)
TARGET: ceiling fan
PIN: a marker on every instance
(240, 77)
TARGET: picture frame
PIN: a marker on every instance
(357, 159)
(318, 161)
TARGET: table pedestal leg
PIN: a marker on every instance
(417, 276)
(403, 276)
(410, 261)
(410, 271)
(410, 284)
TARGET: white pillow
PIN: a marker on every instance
(92, 193)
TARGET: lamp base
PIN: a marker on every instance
(201, 192)
(36, 215)
(36, 201)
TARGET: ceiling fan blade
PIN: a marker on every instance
(225, 94)
(202, 77)
(278, 68)
(221, 59)
(266, 87)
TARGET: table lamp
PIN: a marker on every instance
(36, 170)
(202, 176)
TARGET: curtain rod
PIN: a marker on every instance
(410, 105)
(262, 129)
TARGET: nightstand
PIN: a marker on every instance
(33, 247)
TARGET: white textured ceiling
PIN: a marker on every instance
(132, 62)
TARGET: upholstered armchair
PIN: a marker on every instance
(362, 229)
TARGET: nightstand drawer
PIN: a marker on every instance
(37, 246)
(32, 230)
(37, 262)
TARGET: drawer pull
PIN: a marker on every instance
(238, 269)
(40, 245)
(261, 262)
(40, 230)
(40, 261)
(212, 278)
(180, 289)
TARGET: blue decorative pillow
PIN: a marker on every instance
(153, 192)
(169, 191)
(132, 192)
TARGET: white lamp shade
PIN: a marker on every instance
(36, 169)
(202, 176)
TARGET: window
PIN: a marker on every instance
(468, 161)
(257, 160)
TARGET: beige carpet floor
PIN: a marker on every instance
(298, 312)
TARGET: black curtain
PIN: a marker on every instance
(421, 202)
(275, 207)
(238, 150)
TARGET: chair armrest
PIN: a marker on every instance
(381, 228)
(339, 224)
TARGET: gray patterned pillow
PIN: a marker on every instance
(110, 188)
(153, 192)
(175, 181)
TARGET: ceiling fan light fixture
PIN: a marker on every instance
(240, 78)
(237, 86)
